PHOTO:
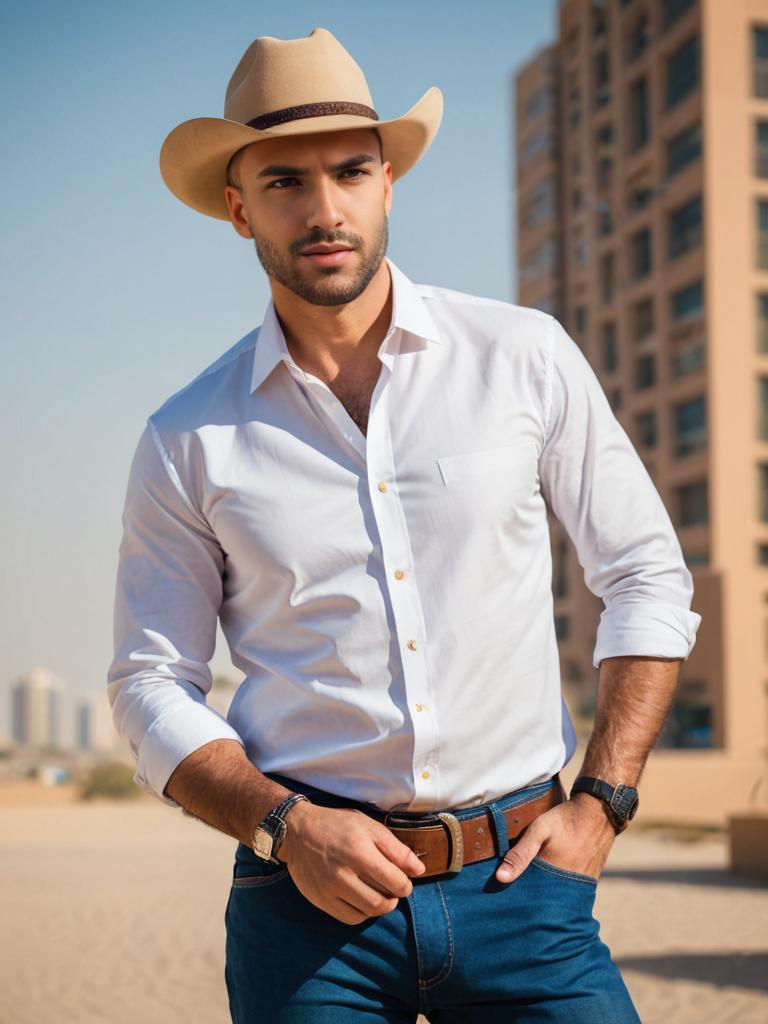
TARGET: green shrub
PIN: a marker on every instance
(111, 779)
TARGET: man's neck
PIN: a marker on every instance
(326, 340)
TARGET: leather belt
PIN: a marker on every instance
(445, 843)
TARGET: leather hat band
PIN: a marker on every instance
(311, 110)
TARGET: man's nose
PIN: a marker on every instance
(325, 211)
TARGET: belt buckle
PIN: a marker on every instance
(452, 825)
(451, 822)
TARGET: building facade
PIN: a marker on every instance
(642, 225)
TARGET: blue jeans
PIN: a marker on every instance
(461, 948)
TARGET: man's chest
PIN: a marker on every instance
(291, 491)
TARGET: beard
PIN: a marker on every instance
(324, 286)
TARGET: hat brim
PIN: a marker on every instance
(195, 155)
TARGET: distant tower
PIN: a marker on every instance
(94, 728)
(36, 709)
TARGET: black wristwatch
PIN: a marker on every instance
(619, 802)
(269, 833)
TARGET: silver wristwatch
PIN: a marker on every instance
(269, 833)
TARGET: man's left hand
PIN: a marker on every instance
(576, 835)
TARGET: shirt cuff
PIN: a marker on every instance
(654, 631)
(174, 735)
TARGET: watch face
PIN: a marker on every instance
(624, 802)
(262, 843)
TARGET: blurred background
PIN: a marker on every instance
(606, 162)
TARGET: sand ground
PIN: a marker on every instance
(98, 924)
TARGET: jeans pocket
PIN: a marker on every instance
(251, 871)
(574, 876)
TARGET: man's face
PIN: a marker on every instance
(300, 192)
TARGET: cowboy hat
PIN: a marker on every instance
(284, 87)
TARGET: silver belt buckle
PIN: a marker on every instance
(451, 822)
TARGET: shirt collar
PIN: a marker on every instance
(409, 313)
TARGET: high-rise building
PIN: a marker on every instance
(37, 700)
(642, 199)
(94, 727)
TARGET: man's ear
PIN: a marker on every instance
(237, 215)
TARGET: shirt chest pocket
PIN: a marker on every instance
(510, 472)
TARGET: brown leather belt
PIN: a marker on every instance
(445, 843)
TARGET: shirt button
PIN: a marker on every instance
(425, 775)
(411, 645)
(382, 486)
(399, 574)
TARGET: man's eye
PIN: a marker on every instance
(280, 180)
(350, 170)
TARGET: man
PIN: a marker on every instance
(358, 490)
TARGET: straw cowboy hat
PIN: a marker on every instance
(284, 87)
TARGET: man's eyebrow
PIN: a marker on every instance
(280, 170)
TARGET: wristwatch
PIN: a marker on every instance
(619, 802)
(269, 833)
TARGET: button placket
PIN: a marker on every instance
(404, 600)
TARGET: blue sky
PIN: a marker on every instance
(113, 294)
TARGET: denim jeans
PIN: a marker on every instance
(461, 948)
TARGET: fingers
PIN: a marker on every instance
(397, 853)
(517, 859)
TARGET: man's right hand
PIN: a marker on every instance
(345, 862)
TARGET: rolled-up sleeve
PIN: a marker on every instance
(596, 484)
(168, 595)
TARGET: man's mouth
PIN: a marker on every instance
(327, 255)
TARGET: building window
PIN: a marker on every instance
(673, 9)
(641, 254)
(599, 19)
(762, 554)
(561, 627)
(762, 492)
(683, 148)
(761, 149)
(580, 247)
(645, 372)
(614, 399)
(762, 233)
(580, 318)
(760, 62)
(642, 320)
(610, 349)
(646, 428)
(685, 228)
(683, 71)
(762, 408)
(540, 102)
(639, 198)
(694, 558)
(762, 322)
(688, 358)
(639, 122)
(688, 302)
(602, 73)
(607, 277)
(604, 219)
(690, 426)
(692, 504)
(561, 569)
(637, 37)
(604, 135)
(539, 206)
(690, 723)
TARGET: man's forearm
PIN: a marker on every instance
(219, 785)
(634, 697)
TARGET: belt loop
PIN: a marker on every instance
(499, 827)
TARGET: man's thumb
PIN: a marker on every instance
(518, 858)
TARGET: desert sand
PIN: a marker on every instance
(113, 912)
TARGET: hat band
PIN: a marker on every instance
(311, 110)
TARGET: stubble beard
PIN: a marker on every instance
(334, 286)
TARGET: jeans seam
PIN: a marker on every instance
(573, 876)
(445, 970)
(256, 881)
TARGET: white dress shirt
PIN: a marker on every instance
(388, 597)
